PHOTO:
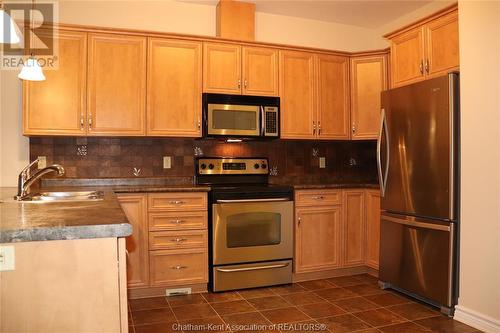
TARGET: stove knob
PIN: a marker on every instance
(256, 166)
(203, 166)
(264, 166)
(210, 166)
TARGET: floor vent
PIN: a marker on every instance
(178, 292)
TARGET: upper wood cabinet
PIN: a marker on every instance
(116, 94)
(260, 71)
(174, 86)
(368, 80)
(354, 227)
(297, 92)
(56, 106)
(318, 238)
(372, 211)
(427, 49)
(235, 69)
(135, 208)
(333, 97)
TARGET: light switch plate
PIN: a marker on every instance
(167, 162)
(42, 162)
(322, 162)
(7, 258)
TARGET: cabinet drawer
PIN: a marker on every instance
(318, 198)
(162, 240)
(159, 221)
(178, 267)
(177, 201)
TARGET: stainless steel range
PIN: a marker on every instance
(251, 224)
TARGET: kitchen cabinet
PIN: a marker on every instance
(297, 92)
(372, 211)
(57, 106)
(135, 209)
(368, 80)
(427, 49)
(333, 110)
(354, 227)
(116, 92)
(174, 86)
(317, 238)
(236, 69)
(179, 267)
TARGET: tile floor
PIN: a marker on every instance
(343, 304)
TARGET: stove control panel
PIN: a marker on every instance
(232, 166)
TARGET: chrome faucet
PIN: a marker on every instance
(25, 179)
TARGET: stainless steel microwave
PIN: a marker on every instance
(238, 116)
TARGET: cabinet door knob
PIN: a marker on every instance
(427, 66)
(178, 267)
(353, 129)
(239, 84)
(81, 122)
(319, 128)
(299, 220)
(176, 202)
(176, 221)
(245, 83)
(421, 67)
(179, 240)
(314, 127)
(90, 122)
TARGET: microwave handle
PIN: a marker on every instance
(262, 121)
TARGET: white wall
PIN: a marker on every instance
(479, 302)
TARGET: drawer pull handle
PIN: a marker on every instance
(319, 197)
(177, 221)
(176, 202)
(244, 269)
(178, 267)
(179, 240)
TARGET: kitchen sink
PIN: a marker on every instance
(65, 196)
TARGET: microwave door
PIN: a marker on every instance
(230, 119)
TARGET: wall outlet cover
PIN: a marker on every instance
(167, 162)
(322, 162)
(7, 258)
(42, 162)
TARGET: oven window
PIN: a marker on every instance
(234, 119)
(253, 229)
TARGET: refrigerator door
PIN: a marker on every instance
(416, 255)
(416, 147)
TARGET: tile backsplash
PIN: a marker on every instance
(290, 161)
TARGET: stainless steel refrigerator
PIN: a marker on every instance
(417, 155)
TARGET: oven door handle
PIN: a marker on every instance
(252, 200)
(231, 270)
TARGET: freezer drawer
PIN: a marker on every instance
(416, 255)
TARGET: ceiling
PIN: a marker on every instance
(367, 14)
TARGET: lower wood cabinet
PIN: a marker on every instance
(179, 267)
(318, 238)
(354, 227)
(372, 211)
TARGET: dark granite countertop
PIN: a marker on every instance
(25, 221)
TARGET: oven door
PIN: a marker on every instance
(231, 119)
(252, 230)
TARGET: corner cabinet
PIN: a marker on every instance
(426, 49)
(368, 80)
(174, 87)
(116, 95)
(57, 106)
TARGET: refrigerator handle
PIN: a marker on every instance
(382, 176)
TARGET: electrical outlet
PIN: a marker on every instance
(42, 162)
(167, 162)
(322, 162)
(7, 258)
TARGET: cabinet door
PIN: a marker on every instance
(407, 57)
(354, 228)
(317, 239)
(56, 106)
(221, 68)
(368, 80)
(179, 267)
(442, 45)
(298, 108)
(174, 88)
(333, 97)
(135, 209)
(260, 71)
(372, 228)
(116, 85)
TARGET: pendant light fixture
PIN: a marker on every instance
(9, 31)
(31, 71)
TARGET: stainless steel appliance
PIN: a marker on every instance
(251, 224)
(238, 116)
(418, 172)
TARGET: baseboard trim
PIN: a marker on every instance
(476, 320)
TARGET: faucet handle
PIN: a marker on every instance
(27, 169)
